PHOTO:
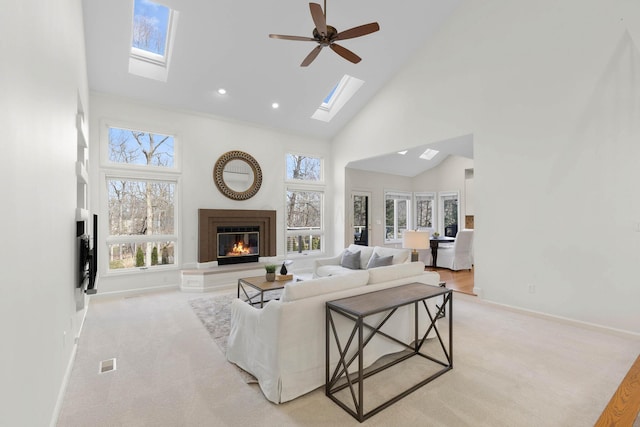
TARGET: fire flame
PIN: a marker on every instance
(239, 249)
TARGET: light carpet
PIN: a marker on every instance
(510, 369)
(215, 315)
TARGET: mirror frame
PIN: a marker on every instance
(218, 176)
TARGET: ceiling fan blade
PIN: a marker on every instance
(318, 18)
(312, 55)
(361, 30)
(298, 38)
(345, 53)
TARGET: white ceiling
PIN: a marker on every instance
(225, 43)
(410, 164)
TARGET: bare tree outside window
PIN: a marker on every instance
(303, 168)
(150, 24)
(304, 206)
(141, 207)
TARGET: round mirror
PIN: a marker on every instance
(237, 175)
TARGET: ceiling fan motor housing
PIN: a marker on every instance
(325, 40)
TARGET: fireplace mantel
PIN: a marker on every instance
(210, 219)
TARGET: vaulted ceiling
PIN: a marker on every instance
(225, 43)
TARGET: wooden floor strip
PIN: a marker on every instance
(624, 405)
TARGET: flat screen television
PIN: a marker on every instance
(83, 260)
(93, 258)
(87, 257)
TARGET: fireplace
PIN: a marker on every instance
(212, 222)
(238, 244)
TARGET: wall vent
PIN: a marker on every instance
(107, 366)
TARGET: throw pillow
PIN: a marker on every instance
(379, 261)
(351, 260)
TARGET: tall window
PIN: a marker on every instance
(141, 199)
(449, 212)
(304, 204)
(397, 214)
(425, 212)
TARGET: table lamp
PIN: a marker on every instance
(414, 239)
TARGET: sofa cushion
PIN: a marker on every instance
(399, 255)
(350, 259)
(323, 285)
(365, 253)
(379, 261)
(396, 271)
(331, 270)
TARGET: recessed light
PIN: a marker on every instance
(222, 91)
(275, 105)
(403, 152)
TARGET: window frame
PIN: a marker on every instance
(434, 209)
(302, 185)
(397, 233)
(304, 182)
(111, 170)
(441, 196)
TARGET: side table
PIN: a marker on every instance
(357, 309)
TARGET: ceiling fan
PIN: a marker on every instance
(326, 35)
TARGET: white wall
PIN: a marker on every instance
(201, 140)
(42, 76)
(549, 90)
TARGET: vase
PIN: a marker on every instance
(271, 277)
(283, 270)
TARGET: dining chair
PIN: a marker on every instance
(460, 255)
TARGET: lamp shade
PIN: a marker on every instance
(414, 239)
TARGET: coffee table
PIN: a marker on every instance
(259, 284)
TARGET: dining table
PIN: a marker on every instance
(434, 243)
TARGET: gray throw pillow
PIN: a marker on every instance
(350, 260)
(379, 261)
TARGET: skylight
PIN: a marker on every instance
(152, 32)
(150, 26)
(337, 98)
(429, 154)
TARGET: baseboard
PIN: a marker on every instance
(566, 320)
(65, 383)
(134, 292)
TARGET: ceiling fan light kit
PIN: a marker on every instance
(326, 35)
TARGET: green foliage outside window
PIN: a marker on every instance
(139, 257)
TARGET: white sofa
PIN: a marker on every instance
(283, 344)
(325, 267)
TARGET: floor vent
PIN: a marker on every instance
(107, 366)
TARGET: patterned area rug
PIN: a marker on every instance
(215, 315)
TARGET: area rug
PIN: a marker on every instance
(215, 315)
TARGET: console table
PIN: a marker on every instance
(357, 309)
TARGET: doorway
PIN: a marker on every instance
(360, 220)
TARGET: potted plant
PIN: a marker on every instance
(436, 235)
(271, 272)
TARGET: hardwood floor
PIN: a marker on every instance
(459, 281)
(624, 406)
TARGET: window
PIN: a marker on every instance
(304, 168)
(397, 214)
(449, 212)
(337, 98)
(304, 221)
(425, 203)
(141, 200)
(304, 204)
(152, 34)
